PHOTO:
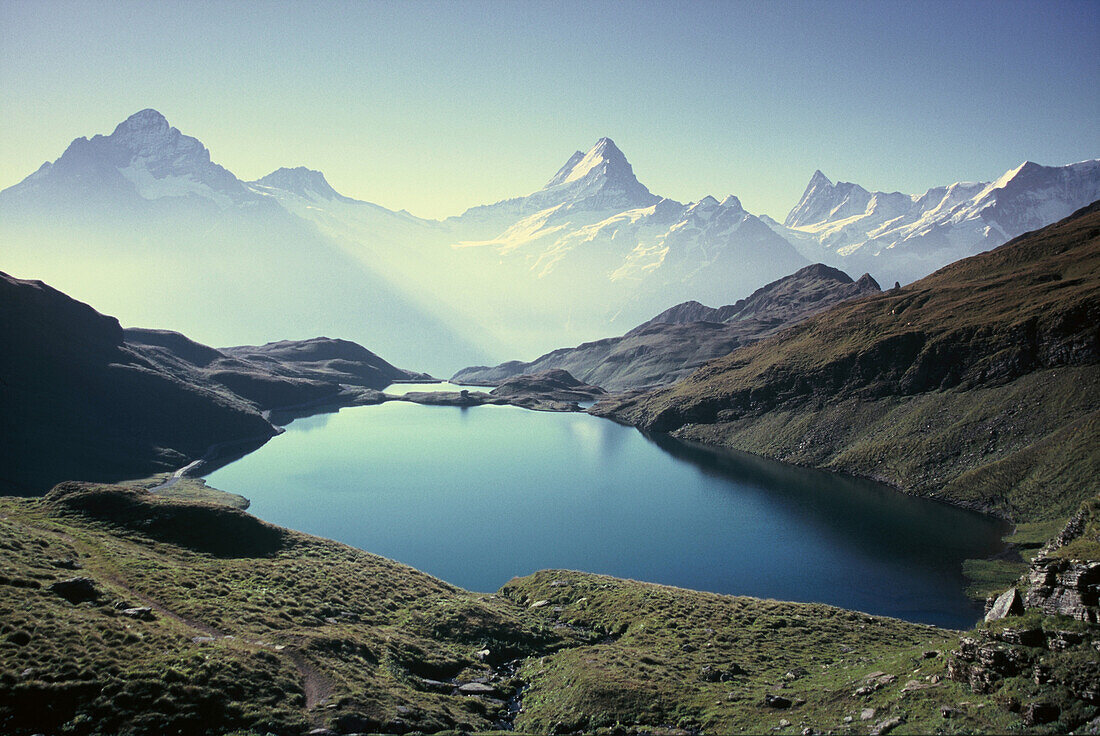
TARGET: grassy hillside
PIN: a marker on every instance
(202, 619)
(979, 384)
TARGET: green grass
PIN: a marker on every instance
(276, 631)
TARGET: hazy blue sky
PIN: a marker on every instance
(435, 107)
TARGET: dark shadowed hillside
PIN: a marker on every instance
(83, 398)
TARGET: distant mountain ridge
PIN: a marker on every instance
(593, 252)
(904, 237)
(682, 338)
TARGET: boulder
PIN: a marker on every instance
(1007, 604)
(476, 688)
(76, 590)
(777, 701)
(886, 726)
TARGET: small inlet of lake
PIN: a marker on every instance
(477, 496)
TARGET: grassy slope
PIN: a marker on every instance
(261, 628)
(979, 384)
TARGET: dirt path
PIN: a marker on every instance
(315, 685)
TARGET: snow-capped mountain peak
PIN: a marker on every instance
(605, 157)
(144, 156)
(307, 183)
(825, 200)
(903, 237)
(601, 178)
(598, 180)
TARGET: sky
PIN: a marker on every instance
(435, 107)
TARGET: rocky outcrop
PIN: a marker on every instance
(555, 384)
(1064, 587)
(1064, 578)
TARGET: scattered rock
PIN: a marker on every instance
(711, 673)
(1034, 714)
(540, 604)
(559, 583)
(783, 723)
(866, 714)
(482, 654)
(915, 685)
(886, 726)
(930, 654)
(437, 686)
(76, 590)
(794, 674)
(847, 719)
(873, 682)
(947, 711)
(202, 639)
(777, 701)
(143, 613)
(354, 723)
(476, 688)
(1007, 604)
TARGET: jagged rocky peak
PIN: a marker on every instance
(147, 134)
(143, 156)
(825, 200)
(301, 181)
(603, 160)
(599, 178)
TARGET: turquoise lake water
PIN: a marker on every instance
(476, 496)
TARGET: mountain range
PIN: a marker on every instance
(145, 210)
(978, 385)
(902, 237)
(673, 344)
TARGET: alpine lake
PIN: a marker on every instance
(476, 496)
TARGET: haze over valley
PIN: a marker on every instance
(146, 211)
